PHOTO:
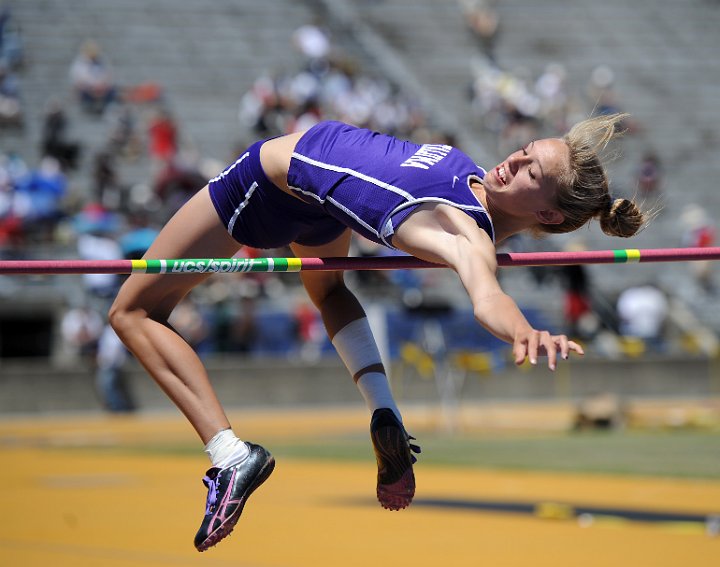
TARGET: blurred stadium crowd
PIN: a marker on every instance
(71, 199)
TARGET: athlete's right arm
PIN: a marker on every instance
(446, 235)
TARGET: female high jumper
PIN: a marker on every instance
(311, 190)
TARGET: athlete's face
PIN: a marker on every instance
(526, 181)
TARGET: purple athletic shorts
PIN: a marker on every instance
(259, 214)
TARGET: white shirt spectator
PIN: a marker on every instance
(642, 312)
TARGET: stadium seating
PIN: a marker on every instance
(205, 54)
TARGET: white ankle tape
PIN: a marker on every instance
(356, 346)
(225, 449)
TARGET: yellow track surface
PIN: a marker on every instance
(63, 504)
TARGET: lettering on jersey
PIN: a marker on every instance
(427, 156)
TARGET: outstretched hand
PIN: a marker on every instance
(533, 343)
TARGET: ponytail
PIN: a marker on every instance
(583, 191)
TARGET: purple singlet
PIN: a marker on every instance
(345, 177)
(371, 182)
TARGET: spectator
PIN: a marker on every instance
(235, 329)
(516, 107)
(576, 282)
(12, 168)
(100, 247)
(579, 317)
(12, 52)
(106, 186)
(92, 79)
(39, 195)
(80, 329)
(310, 330)
(483, 22)
(55, 142)
(178, 181)
(138, 237)
(285, 103)
(643, 311)
(190, 323)
(604, 97)
(123, 138)
(96, 228)
(551, 89)
(163, 136)
(110, 380)
(649, 174)
(11, 112)
(313, 42)
(700, 232)
(601, 90)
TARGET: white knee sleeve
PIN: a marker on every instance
(356, 346)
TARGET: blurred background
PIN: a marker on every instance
(113, 113)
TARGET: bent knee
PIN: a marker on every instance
(124, 320)
(320, 287)
(118, 319)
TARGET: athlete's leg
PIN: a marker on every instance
(346, 323)
(348, 328)
(140, 313)
(140, 318)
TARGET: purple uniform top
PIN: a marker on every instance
(345, 177)
(371, 182)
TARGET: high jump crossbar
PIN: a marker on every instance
(239, 265)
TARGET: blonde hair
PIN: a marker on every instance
(583, 192)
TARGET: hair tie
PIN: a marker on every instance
(609, 205)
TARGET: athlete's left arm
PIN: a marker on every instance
(446, 235)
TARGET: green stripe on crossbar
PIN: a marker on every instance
(626, 256)
(217, 265)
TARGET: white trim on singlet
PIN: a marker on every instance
(388, 229)
(340, 206)
(354, 173)
(356, 218)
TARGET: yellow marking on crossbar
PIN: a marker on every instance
(633, 255)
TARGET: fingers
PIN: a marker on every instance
(564, 346)
(550, 346)
(542, 342)
(527, 346)
(576, 347)
(520, 352)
